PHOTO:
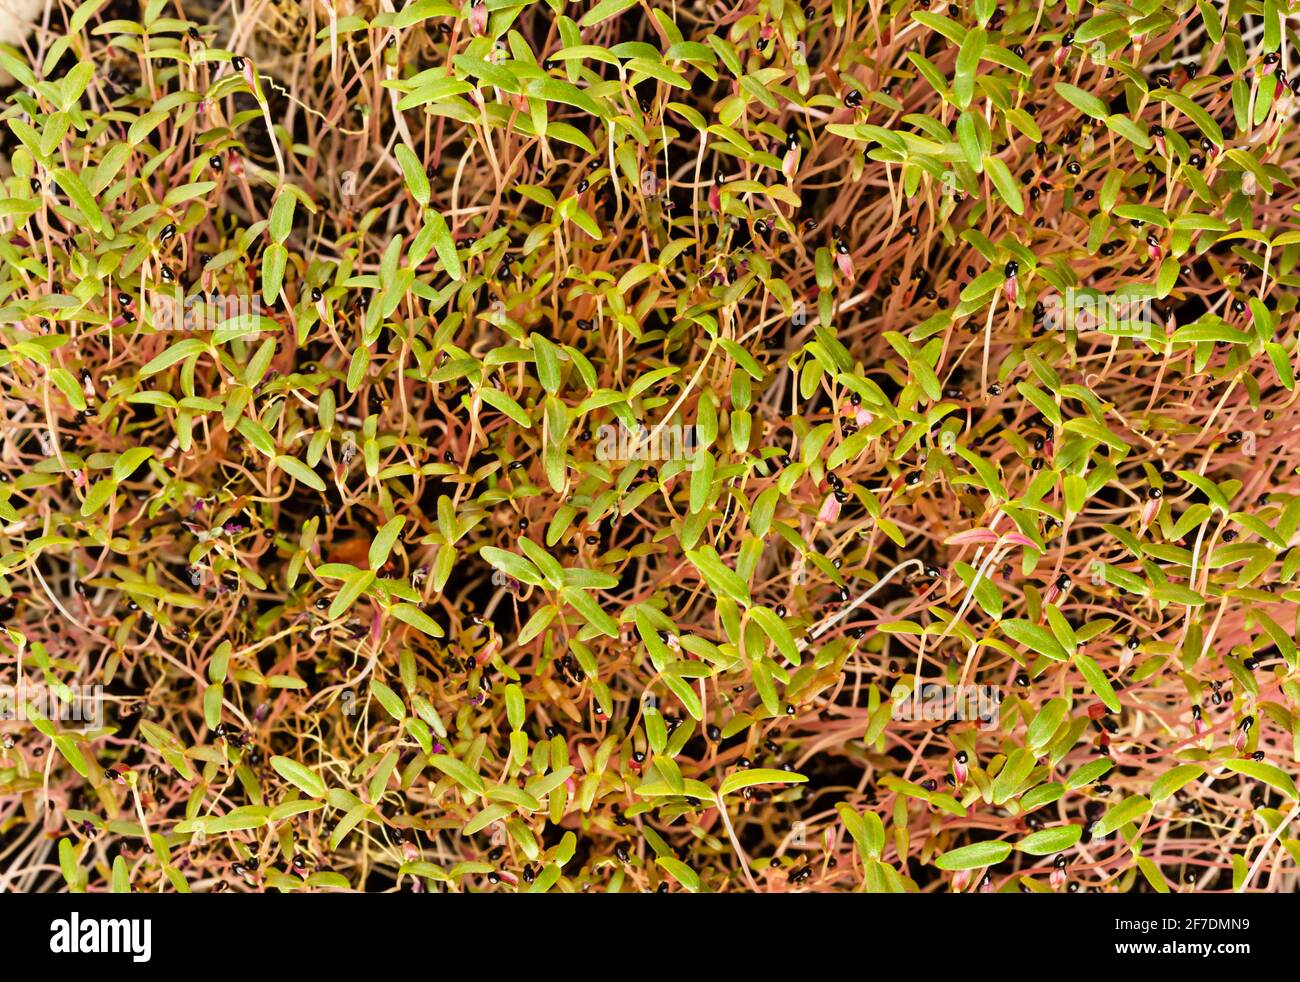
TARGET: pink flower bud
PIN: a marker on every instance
(790, 164)
(845, 263)
(478, 18)
(980, 536)
(1150, 509)
(830, 510)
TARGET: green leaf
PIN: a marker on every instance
(501, 402)
(544, 561)
(385, 538)
(548, 363)
(968, 60)
(1208, 488)
(99, 495)
(775, 629)
(255, 433)
(1015, 771)
(513, 565)
(975, 856)
(389, 699)
(220, 662)
(121, 875)
(212, 697)
(305, 780)
(583, 603)
(418, 619)
(515, 706)
(679, 871)
(1174, 779)
(1128, 810)
(444, 244)
(1007, 186)
(1153, 875)
(604, 10)
(1035, 637)
(274, 262)
(720, 578)
(1085, 102)
(541, 618)
(750, 777)
(69, 866)
(281, 222)
(459, 772)
(1097, 681)
(1129, 130)
(176, 353)
(555, 90)
(128, 461)
(353, 587)
(1047, 842)
(1195, 113)
(299, 471)
(1267, 773)
(1045, 724)
(80, 197)
(417, 182)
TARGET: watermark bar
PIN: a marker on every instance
(658, 443)
(935, 703)
(1118, 314)
(28, 701)
(202, 311)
